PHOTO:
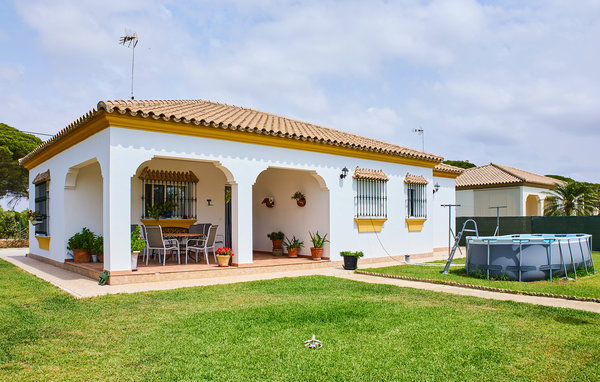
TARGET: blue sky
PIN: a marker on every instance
(510, 82)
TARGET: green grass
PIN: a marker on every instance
(255, 331)
(584, 286)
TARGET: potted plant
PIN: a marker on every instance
(269, 202)
(137, 244)
(35, 217)
(81, 243)
(293, 245)
(351, 259)
(276, 238)
(223, 256)
(168, 208)
(318, 241)
(300, 198)
(155, 211)
(98, 248)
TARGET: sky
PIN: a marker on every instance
(510, 82)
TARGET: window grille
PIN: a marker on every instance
(160, 187)
(370, 198)
(41, 204)
(416, 200)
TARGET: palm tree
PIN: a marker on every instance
(571, 199)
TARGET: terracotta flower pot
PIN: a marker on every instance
(223, 260)
(277, 244)
(81, 256)
(292, 252)
(301, 202)
(316, 253)
(100, 257)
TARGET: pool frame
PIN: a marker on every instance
(509, 261)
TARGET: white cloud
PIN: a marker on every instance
(491, 81)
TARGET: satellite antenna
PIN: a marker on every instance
(130, 40)
(421, 132)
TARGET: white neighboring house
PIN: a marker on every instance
(104, 170)
(522, 192)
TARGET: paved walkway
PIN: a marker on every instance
(81, 286)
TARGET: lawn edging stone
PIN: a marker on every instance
(480, 287)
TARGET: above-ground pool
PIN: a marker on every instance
(529, 257)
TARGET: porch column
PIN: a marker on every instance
(241, 221)
(117, 213)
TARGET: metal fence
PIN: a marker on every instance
(537, 224)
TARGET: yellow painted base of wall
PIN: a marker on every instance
(179, 223)
(415, 225)
(370, 225)
(43, 242)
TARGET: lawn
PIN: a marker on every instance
(255, 331)
(584, 286)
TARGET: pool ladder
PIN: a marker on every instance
(457, 240)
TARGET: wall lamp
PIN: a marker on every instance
(436, 188)
(344, 173)
(208, 202)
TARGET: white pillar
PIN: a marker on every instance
(117, 213)
(241, 222)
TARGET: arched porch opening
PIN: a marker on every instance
(286, 216)
(532, 205)
(182, 192)
(83, 206)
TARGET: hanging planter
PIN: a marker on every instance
(300, 198)
(269, 202)
(35, 217)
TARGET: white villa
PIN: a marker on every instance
(218, 163)
(522, 192)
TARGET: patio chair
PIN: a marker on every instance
(144, 236)
(156, 242)
(204, 245)
(201, 228)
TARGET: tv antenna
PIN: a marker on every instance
(421, 132)
(130, 40)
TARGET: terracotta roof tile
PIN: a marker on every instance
(234, 117)
(498, 175)
(443, 167)
(415, 179)
(363, 173)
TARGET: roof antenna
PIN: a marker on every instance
(421, 132)
(130, 40)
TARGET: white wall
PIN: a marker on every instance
(445, 195)
(286, 215)
(466, 199)
(93, 149)
(477, 202)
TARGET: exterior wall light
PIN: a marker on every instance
(344, 173)
(436, 188)
(209, 202)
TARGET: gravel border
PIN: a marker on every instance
(480, 287)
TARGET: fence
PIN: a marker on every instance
(537, 224)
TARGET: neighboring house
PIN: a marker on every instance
(218, 163)
(522, 192)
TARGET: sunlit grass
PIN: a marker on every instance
(255, 331)
(585, 285)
